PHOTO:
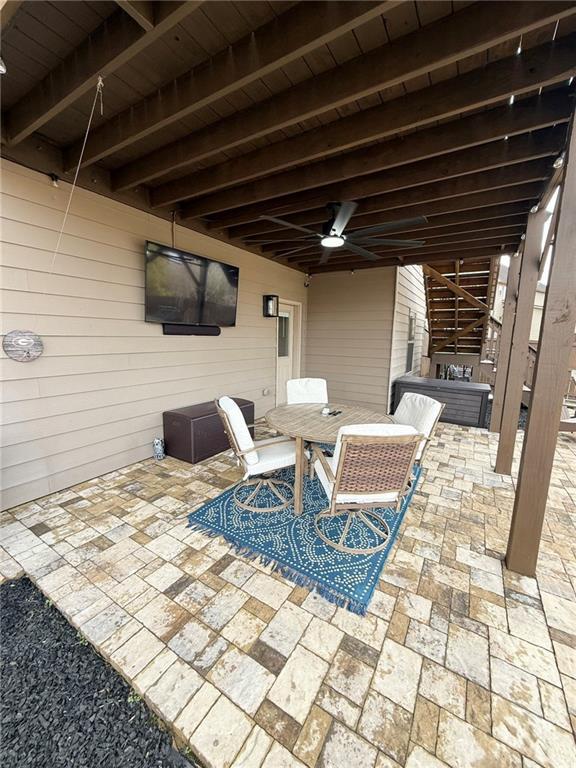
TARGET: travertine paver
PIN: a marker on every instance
(458, 662)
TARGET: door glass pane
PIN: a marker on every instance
(283, 336)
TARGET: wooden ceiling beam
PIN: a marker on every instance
(359, 263)
(301, 29)
(142, 11)
(460, 242)
(420, 231)
(518, 149)
(8, 10)
(286, 192)
(453, 37)
(540, 148)
(515, 75)
(472, 193)
(117, 40)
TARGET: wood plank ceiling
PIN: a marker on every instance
(229, 111)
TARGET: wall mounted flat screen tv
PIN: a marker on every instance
(186, 289)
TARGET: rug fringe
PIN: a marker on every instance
(297, 578)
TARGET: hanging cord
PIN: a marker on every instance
(173, 228)
(98, 94)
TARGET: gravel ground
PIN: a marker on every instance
(60, 703)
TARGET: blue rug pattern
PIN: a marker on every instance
(291, 545)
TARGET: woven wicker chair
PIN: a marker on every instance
(371, 468)
(421, 412)
(259, 459)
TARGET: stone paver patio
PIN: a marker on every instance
(458, 662)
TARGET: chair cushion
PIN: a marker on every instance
(280, 453)
(239, 428)
(420, 412)
(306, 391)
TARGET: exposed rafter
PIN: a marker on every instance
(465, 33)
(516, 75)
(142, 11)
(116, 41)
(526, 115)
(503, 184)
(299, 30)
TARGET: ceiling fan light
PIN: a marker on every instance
(332, 241)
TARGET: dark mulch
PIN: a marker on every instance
(60, 703)
(521, 416)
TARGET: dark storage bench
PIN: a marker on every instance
(466, 403)
(196, 433)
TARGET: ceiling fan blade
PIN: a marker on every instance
(289, 253)
(285, 223)
(361, 251)
(387, 241)
(325, 255)
(289, 236)
(345, 213)
(391, 225)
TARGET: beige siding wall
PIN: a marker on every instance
(349, 334)
(410, 296)
(94, 400)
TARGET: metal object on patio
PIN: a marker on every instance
(259, 460)
(371, 469)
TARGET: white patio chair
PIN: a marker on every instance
(306, 391)
(259, 459)
(371, 468)
(422, 413)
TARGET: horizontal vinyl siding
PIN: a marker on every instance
(349, 334)
(410, 295)
(94, 401)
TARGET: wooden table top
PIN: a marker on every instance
(306, 420)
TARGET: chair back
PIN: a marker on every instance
(375, 458)
(306, 391)
(420, 412)
(236, 430)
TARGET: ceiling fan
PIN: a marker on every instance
(333, 237)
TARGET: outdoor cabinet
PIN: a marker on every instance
(196, 432)
(466, 402)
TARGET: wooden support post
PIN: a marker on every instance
(505, 343)
(529, 270)
(548, 388)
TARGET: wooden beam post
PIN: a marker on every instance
(548, 387)
(529, 270)
(503, 358)
(142, 11)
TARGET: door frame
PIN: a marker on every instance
(296, 342)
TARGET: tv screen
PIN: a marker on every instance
(186, 289)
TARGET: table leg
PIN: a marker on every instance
(299, 470)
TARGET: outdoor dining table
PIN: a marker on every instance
(305, 423)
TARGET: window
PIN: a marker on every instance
(411, 337)
(283, 336)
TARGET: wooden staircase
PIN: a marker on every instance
(459, 295)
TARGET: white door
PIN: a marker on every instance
(287, 362)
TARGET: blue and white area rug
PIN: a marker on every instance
(291, 545)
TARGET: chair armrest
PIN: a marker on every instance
(316, 452)
(263, 444)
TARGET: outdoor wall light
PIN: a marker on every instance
(270, 305)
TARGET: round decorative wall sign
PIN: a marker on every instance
(23, 346)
